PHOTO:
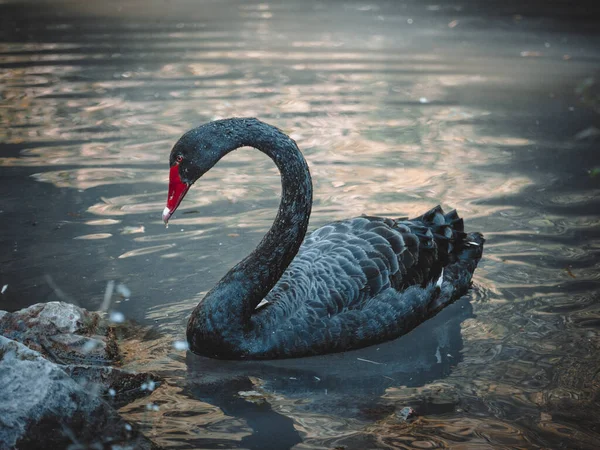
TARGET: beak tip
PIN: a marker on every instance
(166, 215)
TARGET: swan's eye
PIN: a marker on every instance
(179, 158)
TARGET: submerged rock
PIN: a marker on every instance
(58, 386)
(116, 385)
(405, 414)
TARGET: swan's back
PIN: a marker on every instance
(365, 280)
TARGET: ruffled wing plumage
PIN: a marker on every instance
(365, 280)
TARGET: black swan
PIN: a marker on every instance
(347, 285)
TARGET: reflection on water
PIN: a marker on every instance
(397, 107)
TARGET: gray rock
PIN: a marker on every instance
(60, 317)
(58, 386)
(41, 406)
(63, 333)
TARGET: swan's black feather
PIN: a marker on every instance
(359, 281)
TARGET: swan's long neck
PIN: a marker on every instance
(224, 314)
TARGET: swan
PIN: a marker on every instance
(347, 285)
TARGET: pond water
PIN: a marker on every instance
(490, 108)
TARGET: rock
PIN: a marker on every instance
(63, 333)
(41, 406)
(54, 318)
(118, 386)
(58, 386)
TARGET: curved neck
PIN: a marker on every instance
(233, 300)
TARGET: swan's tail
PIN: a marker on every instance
(449, 234)
(458, 252)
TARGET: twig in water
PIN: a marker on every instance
(369, 361)
(110, 287)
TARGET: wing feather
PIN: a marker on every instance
(361, 277)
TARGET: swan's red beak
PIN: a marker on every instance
(177, 190)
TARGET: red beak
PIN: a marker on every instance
(177, 190)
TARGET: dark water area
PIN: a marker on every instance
(492, 108)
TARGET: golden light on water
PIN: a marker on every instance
(396, 108)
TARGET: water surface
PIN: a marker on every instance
(492, 109)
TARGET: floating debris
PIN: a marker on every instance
(588, 133)
(438, 356)
(123, 291)
(4, 288)
(149, 386)
(117, 317)
(406, 413)
(453, 24)
(181, 345)
(369, 361)
(423, 100)
(112, 392)
(110, 287)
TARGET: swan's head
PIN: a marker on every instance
(196, 152)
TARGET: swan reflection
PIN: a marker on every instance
(350, 385)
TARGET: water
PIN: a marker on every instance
(488, 108)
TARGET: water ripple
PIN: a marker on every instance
(397, 108)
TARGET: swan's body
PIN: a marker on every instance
(349, 284)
